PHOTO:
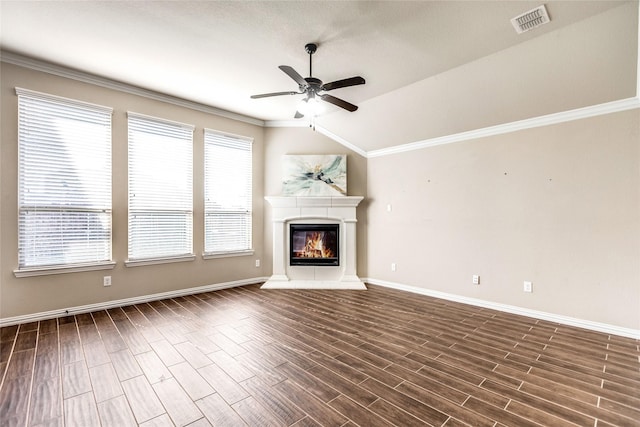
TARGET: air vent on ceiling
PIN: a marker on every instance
(531, 19)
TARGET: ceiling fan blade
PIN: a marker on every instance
(264, 95)
(298, 115)
(294, 75)
(339, 102)
(351, 81)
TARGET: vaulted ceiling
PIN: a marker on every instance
(432, 68)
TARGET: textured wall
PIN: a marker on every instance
(556, 205)
(57, 292)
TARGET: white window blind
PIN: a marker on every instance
(228, 192)
(160, 188)
(64, 182)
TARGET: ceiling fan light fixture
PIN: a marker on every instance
(310, 106)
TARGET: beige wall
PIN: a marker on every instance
(587, 63)
(281, 141)
(556, 205)
(57, 292)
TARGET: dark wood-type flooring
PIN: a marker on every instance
(381, 357)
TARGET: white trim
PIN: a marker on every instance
(230, 135)
(41, 95)
(77, 268)
(127, 301)
(343, 284)
(228, 254)
(162, 260)
(341, 140)
(320, 129)
(286, 124)
(314, 202)
(546, 120)
(551, 317)
(134, 115)
(57, 70)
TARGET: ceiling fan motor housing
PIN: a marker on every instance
(313, 84)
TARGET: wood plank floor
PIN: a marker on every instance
(381, 357)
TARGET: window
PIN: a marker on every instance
(160, 189)
(64, 183)
(228, 198)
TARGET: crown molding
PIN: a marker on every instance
(341, 140)
(61, 71)
(546, 120)
(534, 122)
(286, 124)
(318, 128)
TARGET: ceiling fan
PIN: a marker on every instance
(314, 88)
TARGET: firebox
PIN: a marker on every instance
(314, 244)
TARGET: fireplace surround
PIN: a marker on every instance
(322, 213)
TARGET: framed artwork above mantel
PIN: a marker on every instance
(314, 175)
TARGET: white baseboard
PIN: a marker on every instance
(564, 320)
(127, 301)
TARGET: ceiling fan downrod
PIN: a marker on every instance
(311, 49)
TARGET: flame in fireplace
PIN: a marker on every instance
(314, 247)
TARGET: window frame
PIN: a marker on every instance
(160, 258)
(237, 139)
(60, 204)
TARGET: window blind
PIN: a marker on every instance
(160, 188)
(64, 181)
(228, 192)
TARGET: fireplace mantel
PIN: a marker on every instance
(322, 210)
(308, 202)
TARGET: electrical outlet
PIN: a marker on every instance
(393, 266)
(528, 286)
(476, 279)
(106, 281)
(257, 263)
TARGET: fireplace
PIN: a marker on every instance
(314, 244)
(331, 219)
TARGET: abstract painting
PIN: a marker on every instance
(315, 175)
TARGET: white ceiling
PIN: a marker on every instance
(219, 53)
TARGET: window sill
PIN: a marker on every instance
(75, 268)
(214, 255)
(155, 261)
